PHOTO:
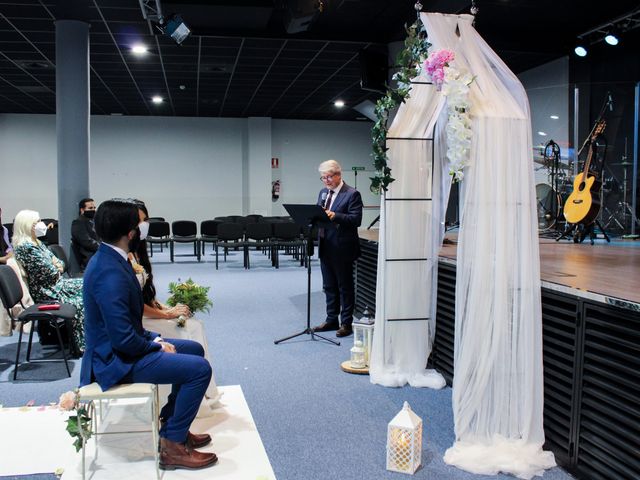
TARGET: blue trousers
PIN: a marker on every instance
(188, 372)
(337, 283)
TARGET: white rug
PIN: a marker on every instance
(34, 440)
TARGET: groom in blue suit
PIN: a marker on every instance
(338, 247)
(119, 350)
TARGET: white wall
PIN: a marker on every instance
(183, 168)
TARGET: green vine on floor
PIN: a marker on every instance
(410, 60)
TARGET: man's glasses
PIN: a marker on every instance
(326, 178)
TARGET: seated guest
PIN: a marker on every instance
(162, 318)
(44, 272)
(83, 234)
(119, 349)
(6, 251)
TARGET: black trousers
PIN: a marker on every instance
(337, 282)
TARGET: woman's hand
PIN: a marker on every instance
(180, 309)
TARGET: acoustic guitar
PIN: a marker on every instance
(583, 204)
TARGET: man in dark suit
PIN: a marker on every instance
(119, 350)
(84, 239)
(339, 247)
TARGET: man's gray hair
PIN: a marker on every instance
(330, 166)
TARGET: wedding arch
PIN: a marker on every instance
(498, 384)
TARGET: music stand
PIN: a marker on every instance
(308, 216)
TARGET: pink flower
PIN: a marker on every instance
(67, 401)
(435, 64)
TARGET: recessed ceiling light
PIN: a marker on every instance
(157, 99)
(339, 103)
(554, 117)
(139, 49)
(542, 134)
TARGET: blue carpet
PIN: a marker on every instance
(316, 422)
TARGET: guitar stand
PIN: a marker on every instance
(579, 234)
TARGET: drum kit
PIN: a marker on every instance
(616, 213)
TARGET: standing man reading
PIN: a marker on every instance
(339, 247)
(84, 239)
(119, 350)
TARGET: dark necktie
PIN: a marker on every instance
(327, 204)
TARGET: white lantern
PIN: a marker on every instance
(357, 356)
(363, 332)
(404, 441)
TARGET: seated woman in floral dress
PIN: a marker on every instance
(44, 272)
(163, 318)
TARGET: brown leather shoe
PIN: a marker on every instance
(344, 331)
(176, 455)
(198, 440)
(326, 327)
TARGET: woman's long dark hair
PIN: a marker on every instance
(148, 290)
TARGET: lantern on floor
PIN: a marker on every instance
(404, 441)
(363, 332)
(357, 355)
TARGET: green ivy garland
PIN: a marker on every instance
(410, 60)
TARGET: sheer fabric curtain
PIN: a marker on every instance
(497, 388)
(411, 231)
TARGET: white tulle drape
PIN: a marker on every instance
(411, 231)
(498, 384)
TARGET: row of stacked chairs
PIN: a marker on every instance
(267, 234)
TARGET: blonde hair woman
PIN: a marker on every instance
(44, 272)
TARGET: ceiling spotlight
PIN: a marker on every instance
(542, 134)
(176, 29)
(580, 50)
(157, 99)
(139, 49)
(611, 38)
(339, 103)
(554, 117)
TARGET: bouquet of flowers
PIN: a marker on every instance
(190, 294)
(81, 420)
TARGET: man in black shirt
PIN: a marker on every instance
(84, 239)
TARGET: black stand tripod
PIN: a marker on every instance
(310, 216)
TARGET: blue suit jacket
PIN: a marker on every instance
(342, 241)
(113, 308)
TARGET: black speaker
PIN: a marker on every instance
(373, 69)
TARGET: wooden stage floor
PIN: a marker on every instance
(611, 270)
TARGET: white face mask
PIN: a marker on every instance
(144, 230)
(40, 229)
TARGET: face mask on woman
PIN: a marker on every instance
(40, 229)
(144, 230)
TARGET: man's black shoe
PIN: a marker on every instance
(326, 327)
(344, 331)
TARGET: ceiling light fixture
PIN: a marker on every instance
(139, 49)
(157, 99)
(554, 117)
(173, 26)
(339, 103)
(610, 31)
(542, 134)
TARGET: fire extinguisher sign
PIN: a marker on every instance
(275, 162)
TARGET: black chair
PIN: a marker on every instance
(185, 231)
(159, 234)
(155, 219)
(59, 252)
(258, 237)
(74, 261)
(235, 219)
(223, 219)
(286, 235)
(253, 218)
(52, 237)
(230, 235)
(208, 233)
(11, 294)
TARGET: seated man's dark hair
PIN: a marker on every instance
(115, 219)
(83, 203)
